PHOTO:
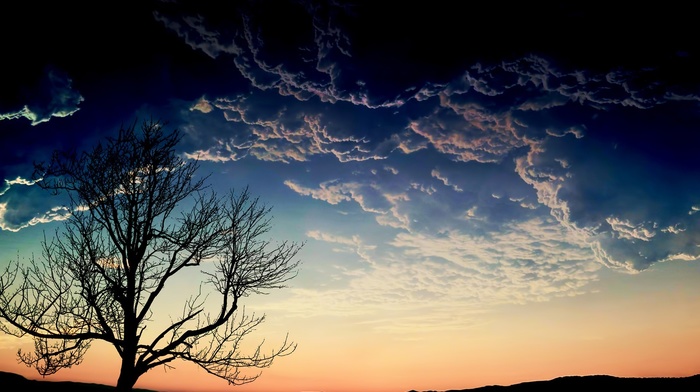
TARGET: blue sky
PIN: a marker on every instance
(440, 160)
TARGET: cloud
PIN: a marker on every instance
(528, 261)
(423, 188)
(618, 201)
(266, 128)
(307, 62)
(196, 34)
(435, 173)
(549, 132)
(468, 131)
(390, 169)
(202, 105)
(17, 181)
(630, 231)
(594, 189)
(331, 191)
(410, 200)
(12, 219)
(353, 244)
(578, 133)
(367, 195)
(451, 274)
(53, 96)
(22, 206)
(223, 152)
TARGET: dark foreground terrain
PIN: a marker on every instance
(593, 383)
(11, 382)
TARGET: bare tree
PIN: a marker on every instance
(141, 215)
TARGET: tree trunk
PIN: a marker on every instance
(127, 373)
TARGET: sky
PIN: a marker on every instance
(486, 193)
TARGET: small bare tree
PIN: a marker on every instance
(140, 217)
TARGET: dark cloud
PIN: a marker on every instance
(54, 96)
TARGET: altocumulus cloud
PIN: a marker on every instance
(541, 121)
(550, 153)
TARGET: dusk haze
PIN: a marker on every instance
(459, 194)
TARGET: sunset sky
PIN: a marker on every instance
(488, 194)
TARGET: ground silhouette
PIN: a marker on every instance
(11, 382)
(15, 382)
(596, 382)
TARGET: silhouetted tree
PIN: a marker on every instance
(141, 215)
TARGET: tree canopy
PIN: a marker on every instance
(142, 214)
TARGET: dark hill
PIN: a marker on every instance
(16, 382)
(11, 382)
(592, 383)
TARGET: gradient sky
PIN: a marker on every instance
(489, 194)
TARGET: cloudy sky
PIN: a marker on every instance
(488, 194)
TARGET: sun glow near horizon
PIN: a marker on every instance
(596, 334)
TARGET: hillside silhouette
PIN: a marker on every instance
(12, 382)
(596, 382)
(15, 382)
